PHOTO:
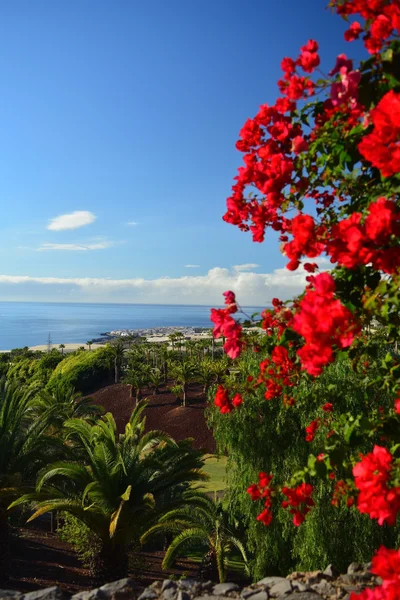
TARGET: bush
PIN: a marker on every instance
(84, 371)
(269, 436)
(83, 540)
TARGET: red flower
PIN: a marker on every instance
(311, 430)
(371, 477)
(328, 407)
(237, 400)
(323, 322)
(300, 500)
(353, 32)
(397, 405)
(382, 146)
(222, 400)
(309, 58)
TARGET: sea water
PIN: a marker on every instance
(30, 323)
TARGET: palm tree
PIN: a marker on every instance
(118, 353)
(138, 377)
(89, 343)
(126, 483)
(183, 373)
(201, 521)
(155, 380)
(24, 449)
(62, 346)
(206, 374)
(63, 404)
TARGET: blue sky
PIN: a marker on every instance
(130, 110)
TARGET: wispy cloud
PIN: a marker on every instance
(245, 267)
(76, 247)
(192, 266)
(132, 223)
(251, 289)
(73, 220)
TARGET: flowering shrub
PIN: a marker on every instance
(324, 172)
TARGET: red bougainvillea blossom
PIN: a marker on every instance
(263, 491)
(225, 325)
(223, 401)
(311, 430)
(299, 501)
(371, 477)
(382, 146)
(324, 322)
(374, 241)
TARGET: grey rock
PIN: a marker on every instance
(91, 595)
(148, 594)
(208, 597)
(183, 595)
(280, 588)
(298, 586)
(224, 588)
(169, 594)
(301, 596)
(189, 584)
(270, 581)
(167, 584)
(123, 589)
(330, 571)
(9, 594)
(367, 566)
(354, 567)
(51, 593)
(247, 592)
(315, 577)
(323, 587)
(207, 585)
(260, 595)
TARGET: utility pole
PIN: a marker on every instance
(49, 343)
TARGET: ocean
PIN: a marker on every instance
(30, 323)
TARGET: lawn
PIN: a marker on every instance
(215, 467)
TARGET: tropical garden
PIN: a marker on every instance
(303, 400)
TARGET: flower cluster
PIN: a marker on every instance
(263, 491)
(371, 478)
(299, 501)
(324, 322)
(277, 372)
(382, 146)
(225, 325)
(382, 18)
(224, 402)
(342, 491)
(373, 241)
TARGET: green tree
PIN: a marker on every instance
(138, 377)
(24, 449)
(117, 353)
(89, 344)
(62, 346)
(183, 373)
(62, 404)
(127, 482)
(200, 522)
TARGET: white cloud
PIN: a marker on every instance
(73, 220)
(245, 267)
(132, 223)
(76, 247)
(192, 266)
(252, 289)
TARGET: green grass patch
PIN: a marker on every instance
(215, 467)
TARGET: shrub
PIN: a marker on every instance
(83, 371)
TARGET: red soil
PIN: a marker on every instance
(163, 412)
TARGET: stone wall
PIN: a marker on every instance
(316, 585)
